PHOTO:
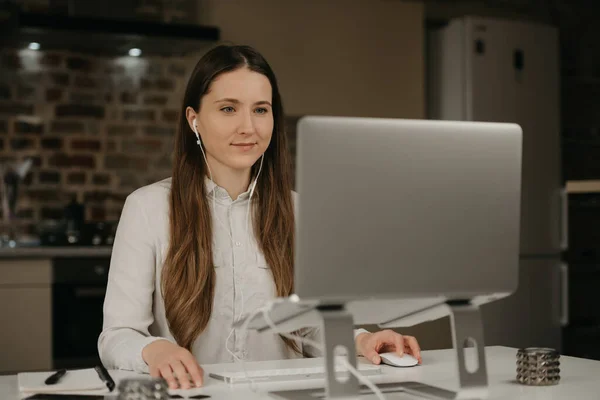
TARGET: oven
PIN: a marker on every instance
(78, 290)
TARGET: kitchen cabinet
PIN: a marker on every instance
(26, 315)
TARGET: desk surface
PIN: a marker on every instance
(580, 379)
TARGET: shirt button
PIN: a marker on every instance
(238, 244)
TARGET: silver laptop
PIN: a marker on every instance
(410, 213)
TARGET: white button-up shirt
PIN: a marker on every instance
(134, 313)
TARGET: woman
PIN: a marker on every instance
(198, 251)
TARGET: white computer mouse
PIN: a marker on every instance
(395, 360)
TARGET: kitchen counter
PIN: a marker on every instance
(52, 252)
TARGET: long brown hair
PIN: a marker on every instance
(188, 277)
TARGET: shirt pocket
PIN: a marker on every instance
(219, 259)
(260, 278)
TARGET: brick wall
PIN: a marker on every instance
(96, 128)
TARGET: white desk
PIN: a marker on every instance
(580, 379)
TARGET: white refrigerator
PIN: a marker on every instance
(483, 69)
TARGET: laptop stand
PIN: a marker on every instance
(467, 330)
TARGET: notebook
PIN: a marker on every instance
(78, 381)
(82, 382)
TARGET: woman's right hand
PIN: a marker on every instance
(173, 363)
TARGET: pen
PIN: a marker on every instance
(105, 377)
(55, 377)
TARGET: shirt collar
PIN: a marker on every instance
(212, 189)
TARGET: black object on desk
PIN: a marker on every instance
(55, 377)
(105, 376)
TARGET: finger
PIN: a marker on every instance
(370, 352)
(412, 343)
(154, 372)
(167, 373)
(372, 356)
(399, 343)
(195, 371)
(181, 374)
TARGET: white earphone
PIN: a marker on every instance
(196, 132)
(199, 143)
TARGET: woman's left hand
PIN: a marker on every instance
(370, 345)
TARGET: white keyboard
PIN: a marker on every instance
(288, 374)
